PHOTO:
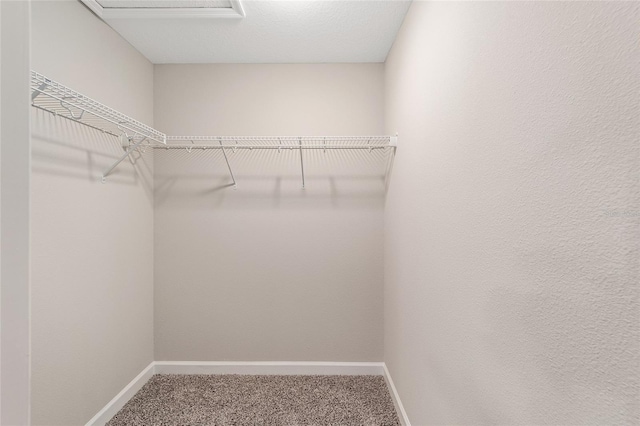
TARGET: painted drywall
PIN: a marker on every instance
(14, 211)
(268, 271)
(512, 217)
(92, 249)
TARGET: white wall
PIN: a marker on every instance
(92, 249)
(269, 271)
(511, 223)
(15, 177)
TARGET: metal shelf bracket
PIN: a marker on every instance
(301, 161)
(224, 152)
(125, 155)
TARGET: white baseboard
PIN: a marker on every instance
(240, 367)
(121, 398)
(269, 367)
(402, 415)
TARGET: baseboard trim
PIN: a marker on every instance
(116, 404)
(269, 367)
(248, 367)
(402, 415)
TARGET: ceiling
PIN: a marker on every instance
(272, 31)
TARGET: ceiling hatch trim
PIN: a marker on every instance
(234, 11)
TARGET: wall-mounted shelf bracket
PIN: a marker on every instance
(125, 155)
(224, 152)
(301, 161)
(393, 143)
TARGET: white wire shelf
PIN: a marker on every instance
(53, 97)
(280, 142)
(57, 99)
(270, 142)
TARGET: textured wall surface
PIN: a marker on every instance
(512, 219)
(92, 244)
(269, 271)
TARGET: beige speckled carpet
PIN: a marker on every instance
(260, 400)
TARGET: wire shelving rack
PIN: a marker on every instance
(59, 100)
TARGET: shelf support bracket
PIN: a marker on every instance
(301, 161)
(393, 143)
(235, 185)
(125, 155)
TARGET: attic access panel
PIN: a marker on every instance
(141, 9)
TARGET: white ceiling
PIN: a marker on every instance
(278, 31)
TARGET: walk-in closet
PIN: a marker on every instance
(318, 212)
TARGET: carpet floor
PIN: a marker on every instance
(169, 399)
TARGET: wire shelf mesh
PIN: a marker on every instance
(53, 97)
(323, 155)
(62, 101)
(280, 142)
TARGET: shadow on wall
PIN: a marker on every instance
(270, 179)
(200, 178)
(61, 147)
